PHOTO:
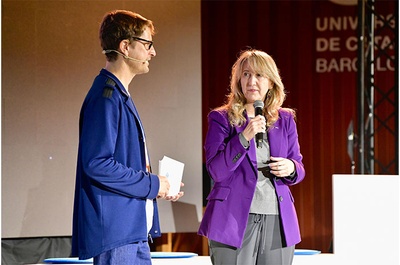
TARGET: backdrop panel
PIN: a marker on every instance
(50, 56)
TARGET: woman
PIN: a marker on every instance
(250, 217)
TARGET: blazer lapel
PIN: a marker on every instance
(132, 108)
(274, 139)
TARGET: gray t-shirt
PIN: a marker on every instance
(264, 199)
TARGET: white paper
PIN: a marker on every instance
(173, 170)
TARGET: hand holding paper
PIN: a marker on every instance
(173, 170)
(164, 187)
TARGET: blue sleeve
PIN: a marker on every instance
(112, 150)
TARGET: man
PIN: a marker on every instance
(115, 209)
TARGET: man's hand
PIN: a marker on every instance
(164, 187)
(177, 196)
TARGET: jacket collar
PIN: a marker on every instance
(118, 85)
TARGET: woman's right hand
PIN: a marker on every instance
(256, 125)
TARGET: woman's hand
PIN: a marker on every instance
(281, 167)
(256, 125)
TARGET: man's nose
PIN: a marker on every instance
(153, 51)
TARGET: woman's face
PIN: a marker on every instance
(254, 86)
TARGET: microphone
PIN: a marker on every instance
(258, 108)
(125, 56)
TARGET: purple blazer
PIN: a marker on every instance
(234, 172)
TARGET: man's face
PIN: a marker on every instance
(142, 51)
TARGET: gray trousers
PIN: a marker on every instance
(262, 245)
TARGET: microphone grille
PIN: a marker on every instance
(258, 104)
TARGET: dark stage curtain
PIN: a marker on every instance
(18, 251)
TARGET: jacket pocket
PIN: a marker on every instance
(220, 194)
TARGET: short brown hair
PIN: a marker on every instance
(120, 25)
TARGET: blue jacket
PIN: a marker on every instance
(234, 171)
(112, 184)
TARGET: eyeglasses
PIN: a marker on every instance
(147, 43)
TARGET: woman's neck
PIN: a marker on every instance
(249, 110)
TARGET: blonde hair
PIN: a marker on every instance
(262, 64)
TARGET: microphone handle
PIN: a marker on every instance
(259, 136)
(259, 139)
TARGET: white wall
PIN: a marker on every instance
(50, 56)
(366, 210)
(366, 218)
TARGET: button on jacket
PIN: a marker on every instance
(112, 184)
(234, 172)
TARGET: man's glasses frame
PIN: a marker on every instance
(147, 43)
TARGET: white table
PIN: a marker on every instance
(318, 259)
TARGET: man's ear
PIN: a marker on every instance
(124, 46)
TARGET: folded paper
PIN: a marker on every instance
(173, 170)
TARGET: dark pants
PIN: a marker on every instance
(262, 245)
